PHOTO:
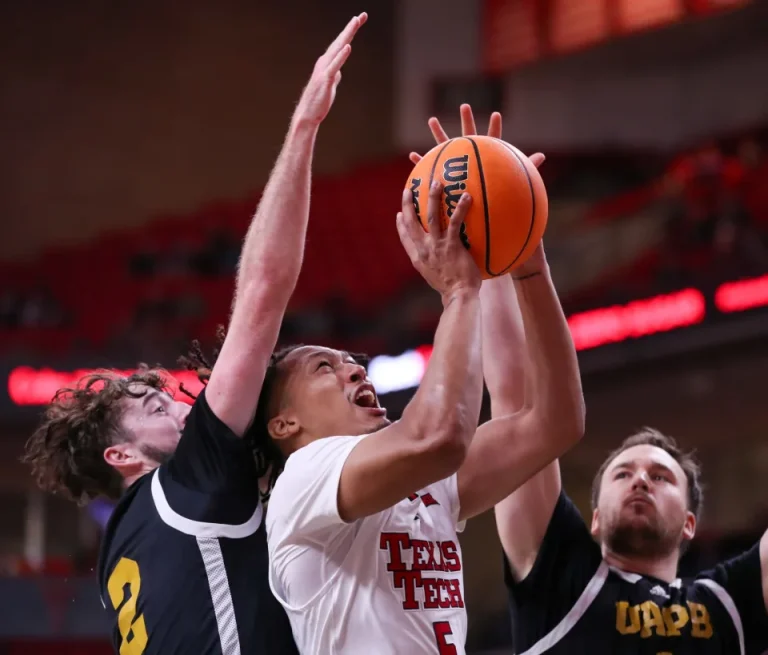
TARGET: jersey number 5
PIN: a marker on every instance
(133, 632)
(442, 630)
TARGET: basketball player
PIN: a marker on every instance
(363, 521)
(612, 587)
(183, 566)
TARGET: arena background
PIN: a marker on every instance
(136, 138)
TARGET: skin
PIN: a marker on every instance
(319, 387)
(642, 517)
(153, 424)
(267, 274)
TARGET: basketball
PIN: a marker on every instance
(509, 208)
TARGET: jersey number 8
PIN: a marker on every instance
(133, 632)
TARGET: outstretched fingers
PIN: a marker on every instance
(494, 125)
(537, 159)
(346, 35)
(437, 130)
(468, 127)
(334, 68)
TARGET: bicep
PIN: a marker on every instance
(387, 466)
(236, 380)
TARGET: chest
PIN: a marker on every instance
(419, 553)
(645, 617)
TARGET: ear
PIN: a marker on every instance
(283, 426)
(595, 528)
(689, 527)
(124, 458)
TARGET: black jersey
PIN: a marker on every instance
(572, 602)
(183, 567)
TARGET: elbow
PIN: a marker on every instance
(450, 447)
(444, 440)
(571, 425)
(448, 439)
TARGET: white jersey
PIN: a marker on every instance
(390, 583)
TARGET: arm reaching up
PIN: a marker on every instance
(535, 418)
(273, 249)
(431, 439)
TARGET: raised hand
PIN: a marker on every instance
(438, 254)
(468, 128)
(317, 99)
(537, 261)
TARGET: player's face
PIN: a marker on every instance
(328, 394)
(155, 422)
(643, 504)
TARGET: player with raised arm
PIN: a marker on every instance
(183, 566)
(611, 588)
(363, 527)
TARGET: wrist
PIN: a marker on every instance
(460, 294)
(525, 273)
(302, 127)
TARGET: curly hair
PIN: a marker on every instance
(66, 451)
(651, 437)
(269, 458)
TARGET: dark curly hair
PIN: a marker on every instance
(269, 458)
(652, 437)
(66, 452)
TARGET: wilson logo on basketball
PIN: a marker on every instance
(456, 171)
(455, 174)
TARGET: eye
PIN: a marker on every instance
(660, 476)
(160, 409)
(322, 364)
(620, 475)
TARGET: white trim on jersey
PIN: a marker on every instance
(574, 615)
(725, 598)
(210, 549)
(201, 529)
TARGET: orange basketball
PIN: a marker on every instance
(509, 201)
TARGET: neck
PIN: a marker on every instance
(663, 567)
(128, 480)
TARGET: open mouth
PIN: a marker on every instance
(365, 397)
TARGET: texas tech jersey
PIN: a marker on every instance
(184, 564)
(388, 584)
(573, 602)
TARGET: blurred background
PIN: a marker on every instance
(136, 138)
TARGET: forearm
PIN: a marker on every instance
(274, 245)
(450, 393)
(504, 365)
(554, 379)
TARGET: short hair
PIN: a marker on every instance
(270, 460)
(66, 451)
(652, 437)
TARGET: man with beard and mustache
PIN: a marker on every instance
(183, 566)
(613, 588)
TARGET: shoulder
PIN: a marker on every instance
(307, 470)
(320, 452)
(567, 558)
